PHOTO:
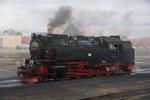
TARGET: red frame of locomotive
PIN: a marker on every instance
(75, 69)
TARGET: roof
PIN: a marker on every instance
(25, 39)
(71, 29)
(145, 40)
(112, 39)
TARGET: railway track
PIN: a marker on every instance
(124, 95)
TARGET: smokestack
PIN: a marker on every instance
(61, 17)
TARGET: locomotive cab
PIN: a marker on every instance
(128, 56)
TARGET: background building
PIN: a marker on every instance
(10, 41)
(25, 42)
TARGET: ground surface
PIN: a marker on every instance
(128, 87)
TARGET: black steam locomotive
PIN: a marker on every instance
(55, 56)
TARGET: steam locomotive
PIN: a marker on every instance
(63, 57)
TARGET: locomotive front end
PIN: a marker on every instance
(27, 72)
(33, 71)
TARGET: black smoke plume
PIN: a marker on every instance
(61, 17)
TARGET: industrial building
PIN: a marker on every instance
(10, 41)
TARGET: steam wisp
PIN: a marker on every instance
(61, 17)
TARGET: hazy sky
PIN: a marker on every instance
(129, 17)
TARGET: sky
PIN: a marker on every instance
(93, 17)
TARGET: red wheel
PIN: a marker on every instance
(45, 79)
(78, 76)
(90, 75)
(98, 75)
(39, 79)
(66, 78)
(108, 73)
